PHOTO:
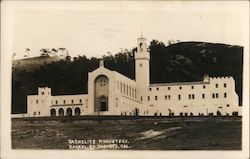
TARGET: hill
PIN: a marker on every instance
(179, 62)
(32, 63)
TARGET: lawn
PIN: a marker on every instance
(140, 134)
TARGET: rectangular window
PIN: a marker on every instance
(64, 101)
(169, 97)
(193, 96)
(189, 96)
(34, 113)
(127, 90)
(42, 93)
(180, 87)
(213, 95)
(148, 98)
(116, 102)
(130, 91)
(166, 97)
(203, 96)
(216, 85)
(37, 101)
(157, 89)
(72, 101)
(179, 97)
(155, 97)
(217, 95)
(204, 86)
(168, 88)
(38, 113)
(192, 87)
(80, 101)
(141, 98)
(228, 105)
(225, 85)
(56, 102)
(121, 87)
(150, 89)
(135, 93)
(225, 95)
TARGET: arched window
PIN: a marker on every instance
(135, 92)
(141, 49)
(123, 88)
(52, 112)
(127, 89)
(69, 112)
(77, 111)
(120, 86)
(61, 112)
(130, 91)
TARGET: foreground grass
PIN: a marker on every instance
(198, 134)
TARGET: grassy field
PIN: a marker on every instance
(153, 134)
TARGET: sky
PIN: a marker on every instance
(95, 28)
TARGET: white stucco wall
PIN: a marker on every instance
(40, 105)
(197, 105)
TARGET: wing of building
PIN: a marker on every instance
(111, 93)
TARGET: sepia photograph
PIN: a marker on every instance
(125, 79)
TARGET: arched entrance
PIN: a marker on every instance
(101, 84)
(61, 112)
(52, 112)
(77, 111)
(69, 112)
(104, 103)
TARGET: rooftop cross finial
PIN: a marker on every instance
(141, 32)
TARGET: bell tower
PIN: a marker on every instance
(142, 58)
